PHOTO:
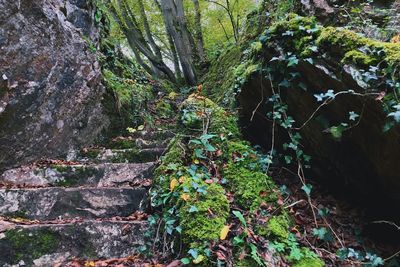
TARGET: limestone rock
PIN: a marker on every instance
(51, 88)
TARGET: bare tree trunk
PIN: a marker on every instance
(175, 20)
(137, 42)
(146, 25)
(175, 58)
(199, 32)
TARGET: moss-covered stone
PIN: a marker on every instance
(309, 262)
(220, 78)
(358, 49)
(164, 109)
(199, 112)
(212, 211)
(251, 187)
(91, 153)
(278, 226)
(31, 244)
(122, 143)
(74, 175)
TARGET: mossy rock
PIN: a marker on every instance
(205, 224)
(198, 112)
(35, 244)
(251, 188)
(165, 109)
(220, 78)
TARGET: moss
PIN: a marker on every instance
(246, 262)
(358, 49)
(171, 163)
(122, 144)
(251, 187)
(133, 155)
(309, 259)
(198, 111)
(29, 245)
(309, 262)
(205, 224)
(164, 109)
(359, 58)
(278, 226)
(91, 153)
(220, 79)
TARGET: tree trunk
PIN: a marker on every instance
(198, 31)
(174, 18)
(137, 42)
(146, 25)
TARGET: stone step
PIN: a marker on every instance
(52, 244)
(139, 143)
(103, 175)
(60, 202)
(124, 155)
(153, 135)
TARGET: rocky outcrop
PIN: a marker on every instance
(357, 152)
(50, 94)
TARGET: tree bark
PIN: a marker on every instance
(146, 25)
(199, 32)
(175, 20)
(136, 40)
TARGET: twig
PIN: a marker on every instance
(328, 101)
(387, 222)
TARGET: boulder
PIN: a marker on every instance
(361, 153)
(50, 89)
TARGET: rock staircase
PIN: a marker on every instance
(89, 209)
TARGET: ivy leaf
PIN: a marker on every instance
(293, 61)
(240, 216)
(323, 212)
(199, 153)
(185, 261)
(336, 131)
(322, 234)
(209, 147)
(194, 253)
(193, 209)
(285, 83)
(395, 115)
(353, 116)
(307, 189)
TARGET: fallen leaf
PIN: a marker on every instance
(199, 259)
(182, 179)
(89, 264)
(185, 197)
(173, 184)
(224, 232)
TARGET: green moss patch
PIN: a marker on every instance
(210, 215)
(33, 245)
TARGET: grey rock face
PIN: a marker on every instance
(102, 175)
(51, 89)
(47, 245)
(58, 202)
